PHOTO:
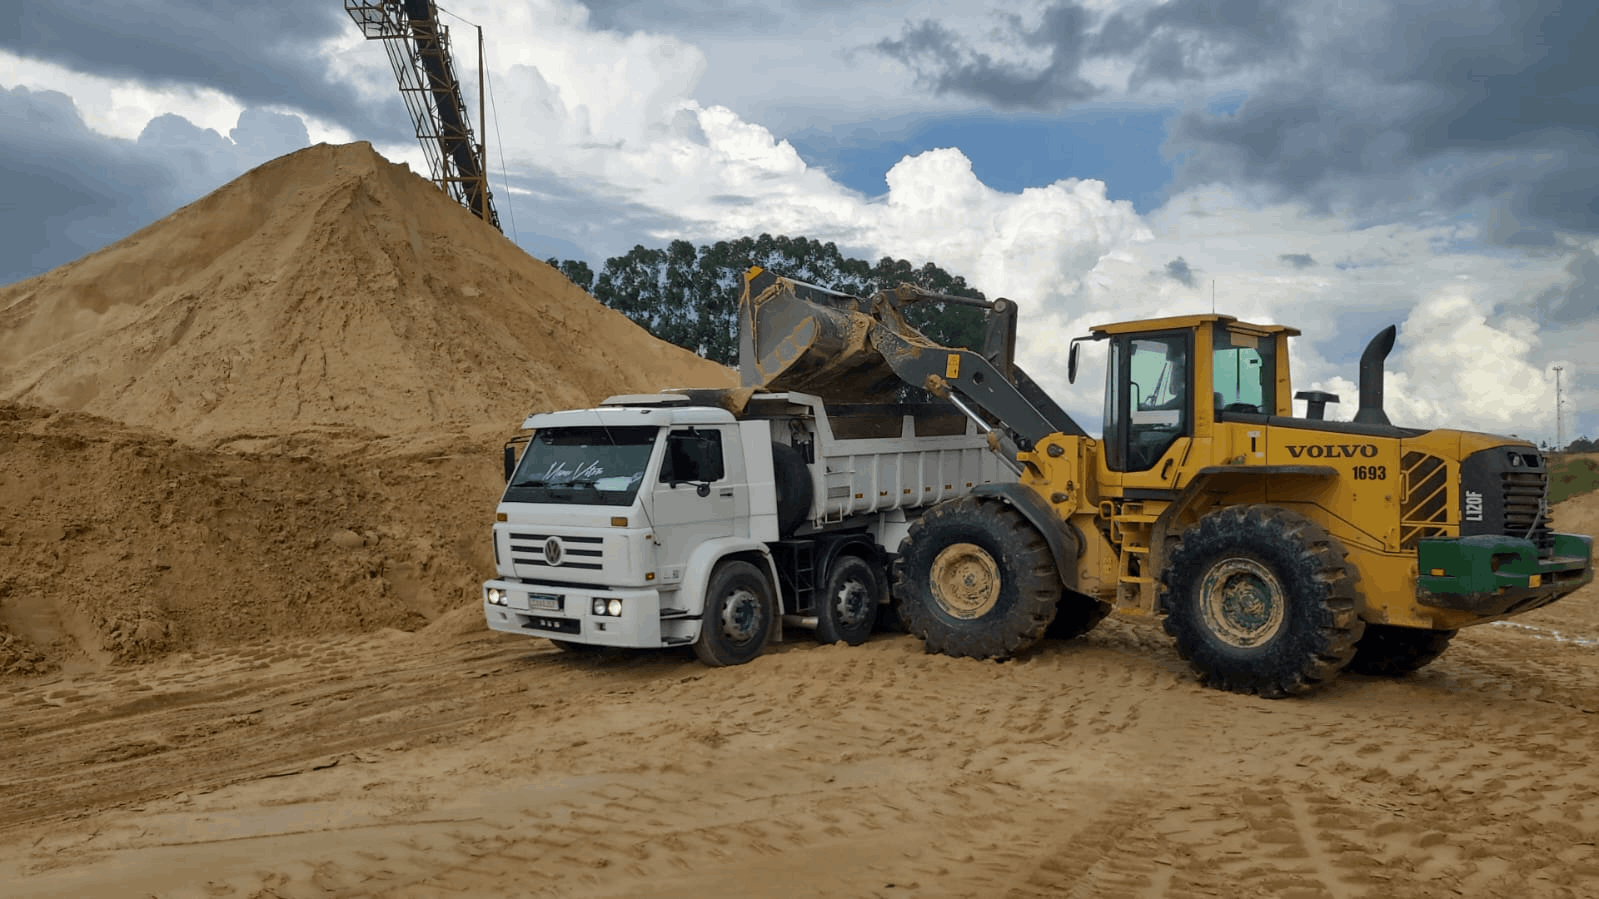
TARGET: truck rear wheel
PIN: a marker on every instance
(1389, 651)
(847, 610)
(1261, 600)
(975, 579)
(738, 615)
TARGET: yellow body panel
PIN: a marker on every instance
(1359, 504)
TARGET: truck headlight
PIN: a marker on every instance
(614, 608)
(599, 606)
(496, 596)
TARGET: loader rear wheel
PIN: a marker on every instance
(738, 615)
(847, 610)
(1389, 651)
(1261, 600)
(974, 578)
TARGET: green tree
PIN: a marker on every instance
(688, 295)
(576, 270)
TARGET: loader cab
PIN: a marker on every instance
(1169, 382)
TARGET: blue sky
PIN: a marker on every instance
(1338, 165)
(1009, 152)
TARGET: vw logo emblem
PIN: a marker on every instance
(552, 551)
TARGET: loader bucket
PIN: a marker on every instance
(799, 337)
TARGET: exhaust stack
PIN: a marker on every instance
(1370, 411)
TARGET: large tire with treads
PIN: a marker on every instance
(1261, 600)
(851, 596)
(793, 488)
(975, 578)
(1389, 651)
(739, 610)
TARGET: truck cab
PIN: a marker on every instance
(609, 510)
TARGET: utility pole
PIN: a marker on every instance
(1560, 434)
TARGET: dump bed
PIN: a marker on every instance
(880, 457)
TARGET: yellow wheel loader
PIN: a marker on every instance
(1279, 550)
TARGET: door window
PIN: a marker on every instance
(692, 456)
(1148, 402)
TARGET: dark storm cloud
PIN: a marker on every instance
(1178, 270)
(1177, 40)
(1388, 107)
(1186, 39)
(66, 191)
(943, 62)
(259, 53)
(1488, 107)
(1578, 300)
(1298, 260)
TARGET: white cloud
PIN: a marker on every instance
(625, 117)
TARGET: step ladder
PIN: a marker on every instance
(1131, 527)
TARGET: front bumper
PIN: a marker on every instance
(567, 613)
(1494, 576)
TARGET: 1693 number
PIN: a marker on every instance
(1371, 472)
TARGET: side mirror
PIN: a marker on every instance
(1071, 363)
(510, 462)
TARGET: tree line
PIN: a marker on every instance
(688, 295)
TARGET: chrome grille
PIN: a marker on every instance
(586, 553)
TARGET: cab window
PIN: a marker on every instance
(1243, 374)
(692, 456)
(1148, 404)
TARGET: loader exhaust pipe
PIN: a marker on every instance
(1371, 378)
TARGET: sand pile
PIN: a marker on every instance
(278, 411)
(121, 545)
(326, 291)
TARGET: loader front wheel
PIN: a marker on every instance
(1388, 651)
(974, 578)
(1261, 600)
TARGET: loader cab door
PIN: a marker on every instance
(1149, 407)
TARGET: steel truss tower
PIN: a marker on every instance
(419, 50)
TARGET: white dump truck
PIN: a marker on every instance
(713, 518)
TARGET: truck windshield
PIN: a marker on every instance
(594, 466)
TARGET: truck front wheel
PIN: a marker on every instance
(1261, 600)
(974, 578)
(738, 615)
(848, 609)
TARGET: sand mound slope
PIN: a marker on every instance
(119, 544)
(328, 290)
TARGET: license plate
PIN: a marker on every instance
(559, 625)
(548, 602)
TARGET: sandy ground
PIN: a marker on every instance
(456, 761)
(248, 458)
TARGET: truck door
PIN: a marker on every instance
(696, 497)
